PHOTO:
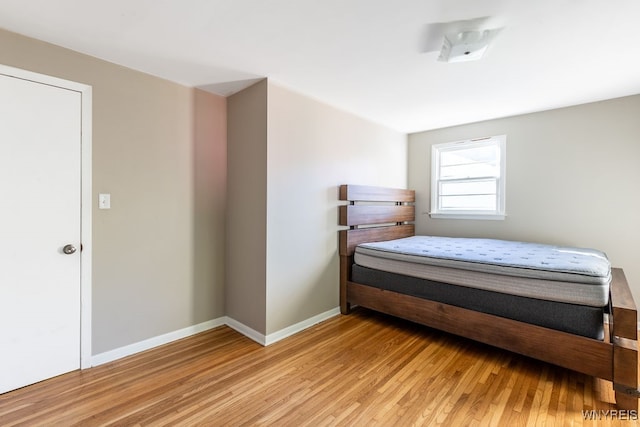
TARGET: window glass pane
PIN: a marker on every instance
(481, 154)
(476, 170)
(475, 203)
(468, 188)
(470, 162)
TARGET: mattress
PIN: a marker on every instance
(553, 273)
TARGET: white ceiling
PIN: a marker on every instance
(364, 56)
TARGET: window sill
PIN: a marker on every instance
(486, 217)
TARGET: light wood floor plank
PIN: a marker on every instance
(364, 369)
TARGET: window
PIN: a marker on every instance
(468, 179)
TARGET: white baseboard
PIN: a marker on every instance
(246, 331)
(266, 340)
(294, 329)
(128, 350)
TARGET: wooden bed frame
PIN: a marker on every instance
(388, 214)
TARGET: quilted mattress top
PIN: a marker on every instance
(514, 258)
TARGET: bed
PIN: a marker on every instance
(552, 315)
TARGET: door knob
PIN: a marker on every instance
(69, 249)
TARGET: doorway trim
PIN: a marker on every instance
(86, 197)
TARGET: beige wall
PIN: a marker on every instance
(210, 200)
(246, 256)
(312, 149)
(150, 137)
(287, 156)
(572, 177)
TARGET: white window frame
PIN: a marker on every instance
(498, 213)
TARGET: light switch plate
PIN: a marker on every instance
(104, 201)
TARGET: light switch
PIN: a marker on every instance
(104, 201)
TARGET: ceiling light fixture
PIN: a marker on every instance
(468, 45)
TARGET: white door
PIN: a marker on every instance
(40, 189)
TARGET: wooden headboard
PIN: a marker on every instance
(385, 214)
(374, 214)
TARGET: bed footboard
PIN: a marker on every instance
(624, 338)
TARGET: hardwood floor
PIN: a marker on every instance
(362, 369)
